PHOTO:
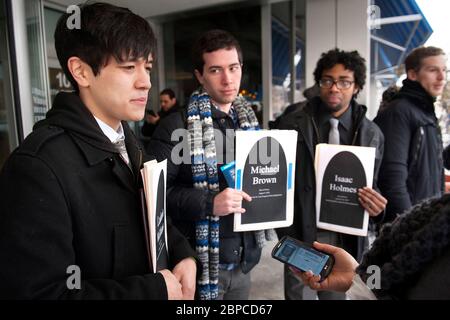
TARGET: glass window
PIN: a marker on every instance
(57, 79)
(282, 54)
(243, 21)
(281, 67)
(299, 58)
(36, 58)
(7, 123)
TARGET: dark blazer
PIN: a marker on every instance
(67, 198)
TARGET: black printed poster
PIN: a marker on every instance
(340, 172)
(265, 169)
(265, 183)
(339, 205)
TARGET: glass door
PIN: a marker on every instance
(8, 136)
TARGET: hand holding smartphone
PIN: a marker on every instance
(150, 112)
(303, 256)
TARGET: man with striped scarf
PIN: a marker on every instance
(199, 200)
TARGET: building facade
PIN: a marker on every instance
(281, 41)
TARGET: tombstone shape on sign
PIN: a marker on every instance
(265, 181)
(343, 177)
(160, 223)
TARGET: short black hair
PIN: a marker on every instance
(389, 93)
(106, 31)
(351, 60)
(414, 60)
(211, 41)
(168, 92)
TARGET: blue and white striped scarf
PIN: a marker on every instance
(204, 173)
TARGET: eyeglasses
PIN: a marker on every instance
(340, 84)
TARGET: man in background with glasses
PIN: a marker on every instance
(332, 117)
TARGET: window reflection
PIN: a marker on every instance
(7, 129)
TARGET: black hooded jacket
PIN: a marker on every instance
(67, 198)
(412, 167)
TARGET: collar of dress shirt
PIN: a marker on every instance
(112, 134)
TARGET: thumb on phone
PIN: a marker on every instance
(325, 247)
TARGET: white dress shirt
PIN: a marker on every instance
(113, 135)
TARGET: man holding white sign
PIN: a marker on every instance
(198, 192)
(332, 117)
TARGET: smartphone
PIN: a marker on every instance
(150, 112)
(303, 256)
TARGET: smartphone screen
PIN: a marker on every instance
(302, 257)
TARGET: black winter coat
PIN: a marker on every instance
(366, 134)
(185, 204)
(148, 129)
(412, 167)
(67, 199)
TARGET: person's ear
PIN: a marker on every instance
(199, 76)
(356, 90)
(412, 74)
(80, 71)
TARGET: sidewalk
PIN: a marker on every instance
(267, 277)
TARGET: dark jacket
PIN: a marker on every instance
(446, 156)
(413, 254)
(286, 113)
(433, 283)
(148, 129)
(67, 199)
(412, 167)
(186, 204)
(304, 121)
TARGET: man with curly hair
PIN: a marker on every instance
(340, 76)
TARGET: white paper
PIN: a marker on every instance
(267, 183)
(325, 153)
(151, 174)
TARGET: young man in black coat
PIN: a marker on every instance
(199, 198)
(70, 213)
(412, 167)
(340, 76)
